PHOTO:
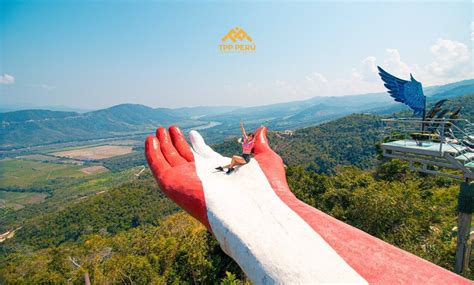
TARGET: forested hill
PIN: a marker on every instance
(40, 127)
(131, 233)
(36, 127)
(350, 140)
(347, 141)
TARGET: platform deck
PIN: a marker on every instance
(427, 148)
(465, 156)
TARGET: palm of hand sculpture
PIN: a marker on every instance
(274, 237)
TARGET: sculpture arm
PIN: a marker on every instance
(272, 235)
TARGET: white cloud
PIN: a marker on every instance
(369, 67)
(7, 79)
(452, 59)
(316, 78)
(393, 62)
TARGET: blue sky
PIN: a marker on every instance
(96, 54)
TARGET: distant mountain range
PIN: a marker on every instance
(38, 127)
(350, 140)
(317, 110)
(19, 107)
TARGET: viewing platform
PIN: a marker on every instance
(431, 146)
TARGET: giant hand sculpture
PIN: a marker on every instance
(273, 236)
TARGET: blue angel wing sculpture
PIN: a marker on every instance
(408, 92)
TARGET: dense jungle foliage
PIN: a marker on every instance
(132, 234)
(125, 236)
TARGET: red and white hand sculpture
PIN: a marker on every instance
(273, 236)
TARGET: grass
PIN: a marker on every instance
(94, 184)
(68, 184)
(68, 148)
(126, 142)
(28, 173)
(66, 180)
(17, 200)
(38, 157)
(66, 190)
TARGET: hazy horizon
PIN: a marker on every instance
(19, 107)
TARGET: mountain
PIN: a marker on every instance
(433, 94)
(330, 109)
(334, 104)
(34, 115)
(134, 230)
(39, 127)
(431, 90)
(135, 114)
(455, 92)
(199, 111)
(346, 141)
(350, 140)
(34, 127)
(130, 229)
(19, 107)
(298, 114)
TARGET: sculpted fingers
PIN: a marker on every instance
(180, 143)
(270, 162)
(168, 149)
(261, 141)
(154, 157)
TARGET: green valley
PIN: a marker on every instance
(113, 221)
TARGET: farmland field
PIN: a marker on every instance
(19, 200)
(28, 173)
(20, 206)
(38, 157)
(52, 177)
(96, 152)
(126, 142)
(94, 169)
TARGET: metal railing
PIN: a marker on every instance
(458, 134)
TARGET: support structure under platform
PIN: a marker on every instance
(441, 146)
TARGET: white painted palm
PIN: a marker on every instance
(261, 233)
(272, 235)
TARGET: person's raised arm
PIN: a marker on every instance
(243, 129)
